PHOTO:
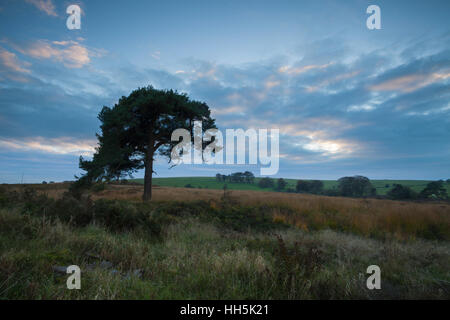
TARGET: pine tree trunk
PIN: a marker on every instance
(148, 177)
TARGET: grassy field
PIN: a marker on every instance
(382, 186)
(204, 244)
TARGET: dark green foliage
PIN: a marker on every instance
(266, 183)
(434, 190)
(77, 188)
(78, 212)
(357, 186)
(122, 216)
(316, 186)
(242, 219)
(9, 198)
(400, 192)
(237, 177)
(99, 186)
(4, 199)
(312, 186)
(281, 184)
(228, 215)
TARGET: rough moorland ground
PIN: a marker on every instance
(200, 244)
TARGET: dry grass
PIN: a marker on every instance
(368, 217)
(195, 258)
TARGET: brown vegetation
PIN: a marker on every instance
(367, 217)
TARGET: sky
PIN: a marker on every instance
(347, 100)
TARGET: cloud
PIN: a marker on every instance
(302, 69)
(72, 54)
(415, 74)
(156, 55)
(11, 62)
(228, 110)
(364, 107)
(62, 145)
(12, 69)
(411, 82)
(329, 147)
(46, 6)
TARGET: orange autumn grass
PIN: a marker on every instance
(367, 217)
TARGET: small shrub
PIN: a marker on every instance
(400, 192)
(266, 183)
(98, 187)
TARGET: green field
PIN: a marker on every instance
(212, 183)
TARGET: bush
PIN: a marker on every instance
(4, 199)
(281, 184)
(313, 186)
(434, 190)
(77, 188)
(98, 187)
(9, 198)
(71, 210)
(357, 186)
(114, 215)
(400, 192)
(118, 215)
(266, 183)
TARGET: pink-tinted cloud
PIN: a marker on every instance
(11, 62)
(46, 6)
(302, 69)
(63, 145)
(410, 83)
(71, 54)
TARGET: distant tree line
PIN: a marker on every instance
(356, 186)
(434, 190)
(238, 177)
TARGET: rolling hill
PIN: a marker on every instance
(382, 186)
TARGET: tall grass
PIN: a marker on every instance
(366, 217)
(198, 260)
(216, 246)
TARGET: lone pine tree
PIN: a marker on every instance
(136, 129)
